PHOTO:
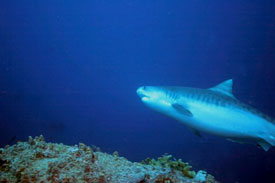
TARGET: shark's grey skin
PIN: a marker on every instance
(214, 110)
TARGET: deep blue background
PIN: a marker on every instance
(69, 70)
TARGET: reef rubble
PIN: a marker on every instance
(42, 162)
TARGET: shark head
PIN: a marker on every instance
(156, 98)
(164, 100)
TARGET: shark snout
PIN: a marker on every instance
(141, 91)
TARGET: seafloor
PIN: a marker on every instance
(38, 161)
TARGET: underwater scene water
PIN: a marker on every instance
(70, 70)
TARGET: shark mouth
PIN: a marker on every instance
(144, 97)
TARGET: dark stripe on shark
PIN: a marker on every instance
(231, 102)
(213, 98)
(172, 95)
(226, 101)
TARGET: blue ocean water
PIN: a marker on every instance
(70, 69)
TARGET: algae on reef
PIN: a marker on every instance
(166, 161)
(38, 161)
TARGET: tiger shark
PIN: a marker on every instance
(214, 110)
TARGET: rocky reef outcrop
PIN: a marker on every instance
(38, 161)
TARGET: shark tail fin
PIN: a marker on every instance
(267, 142)
(265, 145)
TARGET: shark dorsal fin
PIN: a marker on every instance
(224, 88)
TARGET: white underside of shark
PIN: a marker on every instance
(215, 111)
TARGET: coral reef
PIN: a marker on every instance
(167, 162)
(38, 161)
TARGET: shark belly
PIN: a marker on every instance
(225, 121)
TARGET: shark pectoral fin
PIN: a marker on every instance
(182, 109)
